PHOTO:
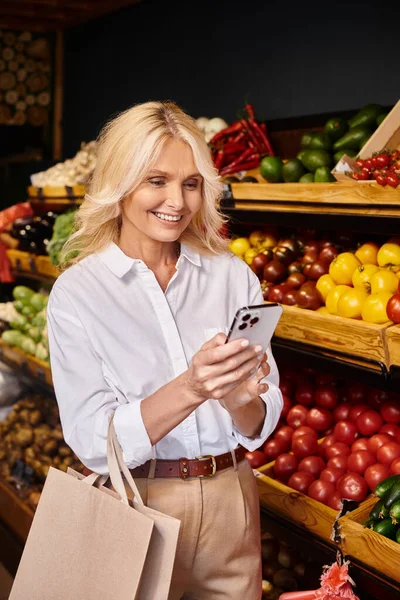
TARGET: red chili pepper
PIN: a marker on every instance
(251, 164)
(237, 138)
(264, 137)
(232, 147)
(219, 160)
(250, 111)
(234, 128)
(252, 136)
(241, 158)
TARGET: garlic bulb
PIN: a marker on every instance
(72, 171)
(214, 126)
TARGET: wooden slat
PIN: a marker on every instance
(14, 512)
(393, 341)
(316, 209)
(36, 368)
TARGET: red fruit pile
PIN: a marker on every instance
(384, 167)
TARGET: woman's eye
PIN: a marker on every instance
(191, 185)
(156, 182)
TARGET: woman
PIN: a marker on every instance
(137, 328)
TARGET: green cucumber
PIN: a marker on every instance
(386, 528)
(385, 485)
(369, 523)
(395, 512)
(398, 536)
(379, 511)
(393, 494)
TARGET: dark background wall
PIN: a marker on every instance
(207, 56)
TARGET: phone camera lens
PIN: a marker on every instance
(254, 321)
(243, 326)
(246, 317)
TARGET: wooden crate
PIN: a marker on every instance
(14, 512)
(46, 267)
(350, 336)
(297, 507)
(367, 546)
(24, 262)
(393, 342)
(35, 367)
(75, 192)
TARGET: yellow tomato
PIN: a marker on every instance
(239, 246)
(351, 302)
(384, 281)
(362, 276)
(324, 285)
(367, 253)
(256, 237)
(249, 255)
(342, 268)
(333, 297)
(374, 309)
(323, 310)
(389, 254)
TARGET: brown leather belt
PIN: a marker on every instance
(202, 466)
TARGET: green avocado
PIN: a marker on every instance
(366, 116)
(335, 128)
(321, 141)
(338, 155)
(292, 170)
(307, 178)
(323, 175)
(353, 138)
(312, 159)
(381, 118)
(306, 139)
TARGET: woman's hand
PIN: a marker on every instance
(219, 368)
(248, 390)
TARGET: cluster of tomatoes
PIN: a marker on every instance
(359, 427)
(384, 167)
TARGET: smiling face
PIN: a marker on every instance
(163, 205)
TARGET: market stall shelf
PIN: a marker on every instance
(24, 263)
(65, 192)
(30, 365)
(14, 512)
(369, 547)
(310, 514)
(393, 340)
(352, 337)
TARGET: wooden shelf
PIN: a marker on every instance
(51, 195)
(31, 265)
(358, 341)
(359, 198)
(30, 366)
(14, 512)
(393, 340)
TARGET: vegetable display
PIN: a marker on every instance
(63, 227)
(384, 517)
(383, 167)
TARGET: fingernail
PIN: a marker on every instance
(259, 356)
(245, 343)
(257, 349)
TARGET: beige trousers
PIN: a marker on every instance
(219, 549)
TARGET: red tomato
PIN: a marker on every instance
(359, 461)
(284, 466)
(305, 445)
(376, 441)
(375, 474)
(337, 449)
(369, 422)
(392, 180)
(357, 393)
(284, 433)
(325, 379)
(377, 397)
(356, 410)
(352, 487)
(287, 405)
(360, 444)
(305, 394)
(360, 163)
(381, 179)
(312, 464)
(326, 397)
(390, 411)
(335, 502)
(339, 461)
(332, 474)
(297, 416)
(286, 386)
(388, 452)
(300, 481)
(321, 491)
(304, 430)
(395, 467)
(380, 161)
(273, 448)
(346, 432)
(341, 412)
(368, 163)
(256, 458)
(391, 429)
(319, 418)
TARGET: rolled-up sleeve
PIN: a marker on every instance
(85, 398)
(273, 397)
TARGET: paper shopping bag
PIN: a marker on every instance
(89, 543)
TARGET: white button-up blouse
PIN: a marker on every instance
(115, 338)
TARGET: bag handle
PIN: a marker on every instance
(95, 479)
(116, 464)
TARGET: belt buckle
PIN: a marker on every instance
(213, 463)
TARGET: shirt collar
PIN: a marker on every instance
(120, 264)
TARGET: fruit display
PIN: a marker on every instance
(28, 327)
(62, 229)
(335, 439)
(383, 167)
(384, 517)
(320, 150)
(73, 171)
(31, 441)
(33, 233)
(242, 145)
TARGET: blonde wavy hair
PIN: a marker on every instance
(128, 147)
